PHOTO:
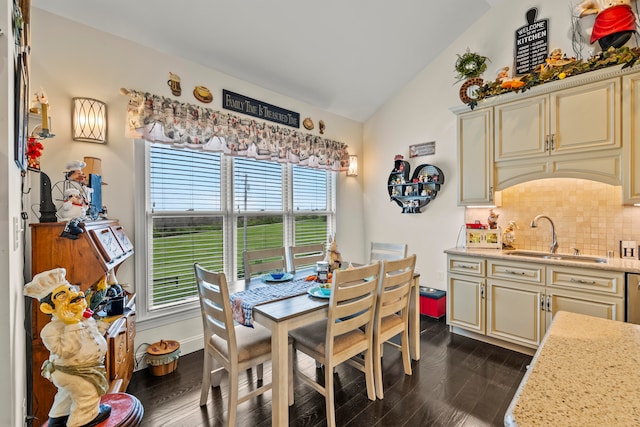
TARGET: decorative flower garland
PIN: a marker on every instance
(625, 56)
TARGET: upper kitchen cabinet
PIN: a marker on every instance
(631, 138)
(575, 120)
(475, 157)
(568, 133)
(580, 127)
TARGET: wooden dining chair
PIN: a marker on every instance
(302, 256)
(348, 331)
(262, 261)
(392, 314)
(386, 251)
(236, 348)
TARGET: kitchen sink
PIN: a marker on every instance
(561, 257)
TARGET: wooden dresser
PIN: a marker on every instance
(102, 247)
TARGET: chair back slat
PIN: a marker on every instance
(381, 251)
(395, 286)
(305, 255)
(262, 261)
(352, 302)
(215, 305)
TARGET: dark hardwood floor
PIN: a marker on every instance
(457, 382)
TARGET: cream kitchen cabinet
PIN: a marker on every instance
(631, 138)
(475, 157)
(515, 301)
(587, 291)
(575, 120)
(515, 293)
(570, 133)
(466, 293)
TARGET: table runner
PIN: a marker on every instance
(242, 302)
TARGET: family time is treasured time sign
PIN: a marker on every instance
(532, 45)
(253, 107)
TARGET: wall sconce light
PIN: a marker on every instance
(89, 122)
(353, 165)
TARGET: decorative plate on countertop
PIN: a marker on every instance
(269, 278)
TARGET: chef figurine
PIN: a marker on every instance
(77, 348)
(75, 173)
(614, 24)
(73, 205)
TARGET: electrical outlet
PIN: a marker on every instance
(628, 249)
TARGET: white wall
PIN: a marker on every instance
(70, 60)
(12, 334)
(420, 113)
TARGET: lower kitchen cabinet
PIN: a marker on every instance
(611, 308)
(513, 312)
(515, 301)
(466, 302)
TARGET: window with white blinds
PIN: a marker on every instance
(194, 214)
(184, 180)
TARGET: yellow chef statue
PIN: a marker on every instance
(77, 348)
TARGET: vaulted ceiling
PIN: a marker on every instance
(344, 56)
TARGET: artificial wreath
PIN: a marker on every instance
(625, 56)
(470, 65)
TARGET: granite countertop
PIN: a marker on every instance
(612, 264)
(585, 373)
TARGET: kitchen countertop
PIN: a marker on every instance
(585, 373)
(612, 264)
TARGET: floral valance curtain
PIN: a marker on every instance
(159, 119)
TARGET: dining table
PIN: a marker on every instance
(283, 314)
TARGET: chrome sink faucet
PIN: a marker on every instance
(554, 237)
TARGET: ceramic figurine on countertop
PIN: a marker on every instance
(509, 235)
(493, 219)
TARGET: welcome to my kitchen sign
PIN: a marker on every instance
(253, 107)
(532, 43)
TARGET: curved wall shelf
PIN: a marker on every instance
(412, 194)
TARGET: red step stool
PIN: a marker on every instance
(433, 302)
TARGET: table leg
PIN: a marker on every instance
(414, 320)
(280, 363)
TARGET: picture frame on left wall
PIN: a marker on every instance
(21, 82)
(21, 111)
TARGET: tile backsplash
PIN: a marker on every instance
(588, 215)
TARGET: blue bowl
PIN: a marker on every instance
(325, 291)
(277, 276)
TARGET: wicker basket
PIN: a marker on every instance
(162, 357)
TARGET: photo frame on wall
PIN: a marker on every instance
(21, 111)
